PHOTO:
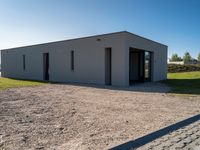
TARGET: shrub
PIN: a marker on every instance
(172, 68)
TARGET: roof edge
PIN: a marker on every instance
(119, 32)
(145, 38)
(92, 36)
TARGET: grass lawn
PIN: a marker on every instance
(12, 83)
(184, 83)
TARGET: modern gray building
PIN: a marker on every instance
(117, 59)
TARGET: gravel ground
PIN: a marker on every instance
(72, 117)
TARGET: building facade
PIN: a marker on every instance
(117, 59)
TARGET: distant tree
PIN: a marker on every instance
(175, 58)
(187, 57)
(198, 57)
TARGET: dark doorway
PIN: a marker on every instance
(46, 66)
(108, 66)
(136, 66)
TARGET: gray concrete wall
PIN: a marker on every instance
(159, 68)
(89, 59)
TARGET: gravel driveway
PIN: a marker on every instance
(74, 117)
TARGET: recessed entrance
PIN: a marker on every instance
(46, 66)
(139, 66)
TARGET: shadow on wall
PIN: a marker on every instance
(157, 134)
(183, 86)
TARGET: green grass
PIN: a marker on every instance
(6, 83)
(184, 83)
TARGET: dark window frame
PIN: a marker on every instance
(72, 60)
(24, 62)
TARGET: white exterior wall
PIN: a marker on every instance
(89, 59)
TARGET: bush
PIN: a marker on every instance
(172, 68)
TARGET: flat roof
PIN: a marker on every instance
(86, 37)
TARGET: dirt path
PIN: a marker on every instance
(78, 117)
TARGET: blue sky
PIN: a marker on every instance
(175, 23)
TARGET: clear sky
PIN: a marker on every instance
(175, 23)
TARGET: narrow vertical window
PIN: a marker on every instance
(108, 66)
(72, 60)
(24, 61)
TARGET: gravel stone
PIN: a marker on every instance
(59, 116)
